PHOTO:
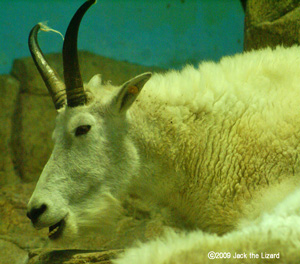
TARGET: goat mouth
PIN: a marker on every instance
(55, 231)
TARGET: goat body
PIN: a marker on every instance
(215, 148)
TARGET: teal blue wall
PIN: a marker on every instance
(166, 33)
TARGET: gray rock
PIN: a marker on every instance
(9, 90)
(15, 227)
(271, 23)
(32, 139)
(11, 253)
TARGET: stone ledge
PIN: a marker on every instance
(72, 256)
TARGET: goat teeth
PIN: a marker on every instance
(53, 231)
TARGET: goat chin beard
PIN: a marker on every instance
(101, 216)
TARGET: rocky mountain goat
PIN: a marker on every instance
(216, 147)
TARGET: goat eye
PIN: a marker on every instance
(82, 130)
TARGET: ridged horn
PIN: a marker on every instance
(74, 86)
(55, 85)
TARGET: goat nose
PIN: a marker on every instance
(35, 212)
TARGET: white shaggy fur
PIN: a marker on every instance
(274, 236)
(216, 148)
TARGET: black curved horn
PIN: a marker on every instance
(74, 85)
(53, 82)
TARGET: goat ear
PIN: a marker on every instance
(96, 81)
(129, 92)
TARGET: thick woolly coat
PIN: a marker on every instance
(223, 140)
(219, 134)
